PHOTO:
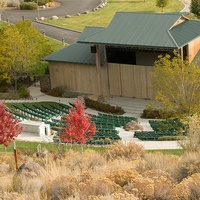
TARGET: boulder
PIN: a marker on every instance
(32, 170)
(133, 126)
(54, 17)
(68, 16)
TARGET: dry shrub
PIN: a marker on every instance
(141, 187)
(75, 163)
(11, 196)
(9, 160)
(188, 189)
(62, 187)
(98, 187)
(150, 186)
(191, 142)
(159, 162)
(6, 182)
(129, 151)
(115, 196)
(162, 184)
(30, 188)
(188, 165)
(121, 176)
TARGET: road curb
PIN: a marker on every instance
(40, 22)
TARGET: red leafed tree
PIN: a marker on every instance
(79, 128)
(9, 128)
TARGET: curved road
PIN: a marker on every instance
(68, 7)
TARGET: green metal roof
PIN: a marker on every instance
(77, 52)
(186, 32)
(139, 29)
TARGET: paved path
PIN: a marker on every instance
(187, 5)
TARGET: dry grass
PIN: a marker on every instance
(113, 175)
(130, 151)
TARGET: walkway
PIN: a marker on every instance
(133, 107)
(187, 5)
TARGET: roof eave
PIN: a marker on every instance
(130, 45)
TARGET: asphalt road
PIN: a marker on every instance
(67, 7)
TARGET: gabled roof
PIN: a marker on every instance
(142, 30)
(77, 52)
(186, 32)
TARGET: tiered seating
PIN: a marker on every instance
(60, 109)
(173, 125)
(153, 135)
(160, 129)
(38, 113)
(41, 111)
(106, 125)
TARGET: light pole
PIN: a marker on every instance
(38, 14)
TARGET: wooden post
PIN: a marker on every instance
(107, 70)
(15, 153)
(182, 58)
(100, 90)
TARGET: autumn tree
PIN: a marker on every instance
(195, 7)
(9, 128)
(192, 140)
(162, 3)
(177, 84)
(79, 128)
(21, 48)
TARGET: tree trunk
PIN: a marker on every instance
(16, 85)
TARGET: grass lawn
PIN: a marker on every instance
(55, 44)
(177, 152)
(2, 24)
(31, 147)
(103, 16)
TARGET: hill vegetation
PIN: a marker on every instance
(122, 172)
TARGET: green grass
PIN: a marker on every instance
(177, 152)
(55, 44)
(103, 16)
(26, 147)
(3, 24)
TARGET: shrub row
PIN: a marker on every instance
(169, 138)
(28, 6)
(24, 92)
(57, 91)
(107, 108)
(151, 113)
